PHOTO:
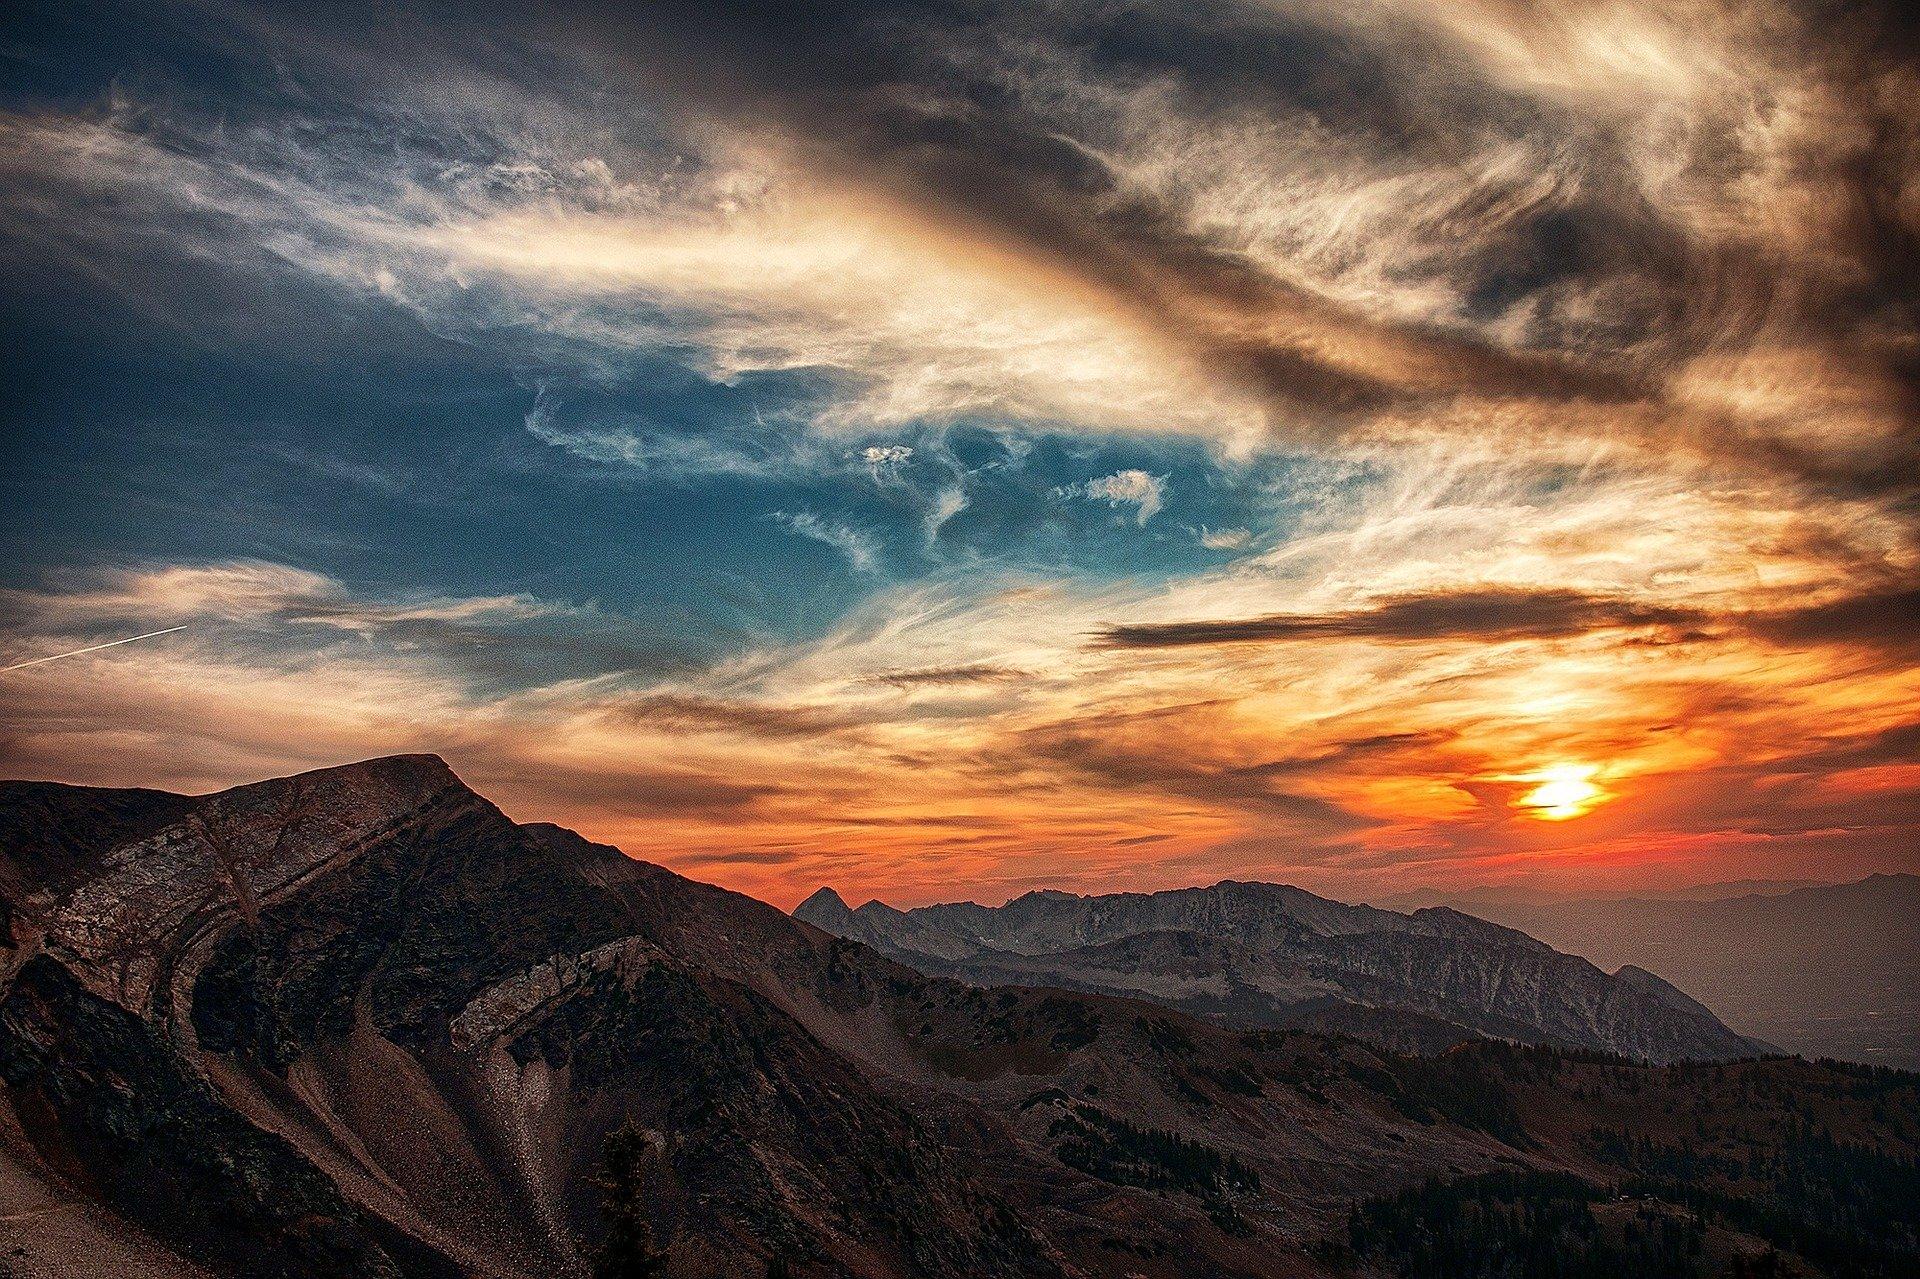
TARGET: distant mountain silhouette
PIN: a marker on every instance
(1252, 954)
(1831, 970)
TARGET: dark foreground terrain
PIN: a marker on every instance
(357, 1022)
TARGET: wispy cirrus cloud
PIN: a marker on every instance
(1058, 225)
(281, 612)
(1223, 539)
(247, 590)
(858, 546)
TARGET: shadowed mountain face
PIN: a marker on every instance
(357, 1022)
(1827, 970)
(1271, 955)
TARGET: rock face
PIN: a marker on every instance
(358, 1022)
(1254, 954)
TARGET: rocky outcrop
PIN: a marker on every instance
(1271, 955)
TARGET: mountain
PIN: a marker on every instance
(1829, 970)
(1269, 955)
(358, 1022)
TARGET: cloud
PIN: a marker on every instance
(1021, 752)
(1874, 620)
(678, 456)
(743, 266)
(1484, 615)
(904, 323)
(250, 590)
(947, 502)
(883, 461)
(945, 676)
(1168, 751)
(693, 713)
(1363, 228)
(856, 544)
(1884, 619)
(650, 794)
(1223, 539)
(279, 610)
(1130, 487)
(1446, 227)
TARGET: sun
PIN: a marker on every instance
(1563, 791)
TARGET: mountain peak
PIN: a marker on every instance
(418, 769)
(1663, 990)
(1045, 895)
(136, 886)
(825, 909)
(363, 792)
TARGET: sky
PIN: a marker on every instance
(945, 450)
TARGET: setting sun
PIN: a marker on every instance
(1564, 791)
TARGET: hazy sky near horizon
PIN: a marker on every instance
(946, 449)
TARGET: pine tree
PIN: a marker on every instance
(628, 1251)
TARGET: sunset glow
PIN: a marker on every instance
(1564, 790)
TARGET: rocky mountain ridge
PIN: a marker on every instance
(1255, 954)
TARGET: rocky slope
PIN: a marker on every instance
(1254, 954)
(357, 1022)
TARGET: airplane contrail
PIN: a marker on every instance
(92, 648)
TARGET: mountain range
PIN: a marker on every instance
(1256, 955)
(359, 1022)
(1825, 970)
